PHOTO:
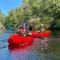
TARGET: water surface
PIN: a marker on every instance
(29, 52)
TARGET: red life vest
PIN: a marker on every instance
(23, 30)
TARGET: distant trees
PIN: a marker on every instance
(47, 11)
(2, 21)
(2, 17)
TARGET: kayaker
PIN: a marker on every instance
(42, 28)
(23, 30)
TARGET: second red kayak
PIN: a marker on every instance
(41, 34)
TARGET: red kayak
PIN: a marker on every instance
(19, 40)
(41, 34)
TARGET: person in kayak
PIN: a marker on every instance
(23, 30)
(42, 28)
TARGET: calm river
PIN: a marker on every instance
(32, 51)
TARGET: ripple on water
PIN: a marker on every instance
(3, 44)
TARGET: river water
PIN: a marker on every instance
(32, 51)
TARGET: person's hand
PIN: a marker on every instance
(18, 30)
(29, 33)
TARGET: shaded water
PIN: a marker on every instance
(30, 52)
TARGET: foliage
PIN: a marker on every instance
(47, 10)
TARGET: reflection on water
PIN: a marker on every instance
(28, 52)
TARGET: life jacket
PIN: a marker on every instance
(23, 30)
